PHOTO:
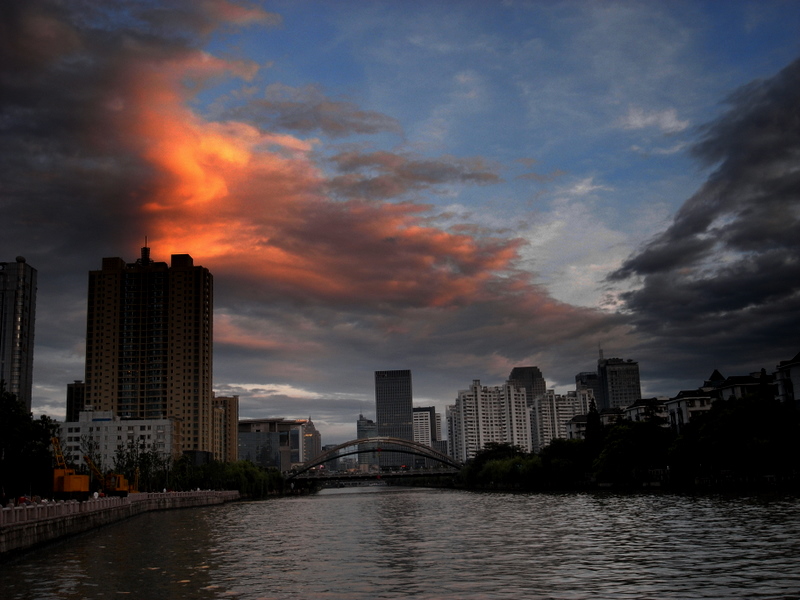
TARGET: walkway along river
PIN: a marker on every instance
(27, 526)
(386, 542)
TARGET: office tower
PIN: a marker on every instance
(551, 412)
(148, 345)
(619, 382)
(366, 428)
(76, 399)
(591, 380)
(226, 426)
(531, 379)
(17, 318)
(484, 414)
(394, 411)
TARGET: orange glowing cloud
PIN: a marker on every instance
(254, 203)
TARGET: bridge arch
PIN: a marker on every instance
(376, 443)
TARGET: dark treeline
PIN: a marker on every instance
(739, 444)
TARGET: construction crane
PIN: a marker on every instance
(113, 484)
(66, 484)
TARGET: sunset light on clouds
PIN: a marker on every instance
(454, 188)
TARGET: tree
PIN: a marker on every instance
(26, 461)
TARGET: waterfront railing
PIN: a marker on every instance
(40, 511)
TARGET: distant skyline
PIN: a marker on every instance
(454, 188)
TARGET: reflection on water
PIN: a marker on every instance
(381, 542)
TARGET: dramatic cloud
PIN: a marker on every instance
(353, 180)
(725, 275)
(101, 135)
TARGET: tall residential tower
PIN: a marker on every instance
(17, 317)
(149, 344)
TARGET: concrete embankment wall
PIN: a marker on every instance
(25, 527)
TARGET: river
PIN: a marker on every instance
(384, 542)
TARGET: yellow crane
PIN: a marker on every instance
(66, 484)
(113, 484)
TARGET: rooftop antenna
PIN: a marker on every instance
(145, 253)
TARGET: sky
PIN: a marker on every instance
(451, 187)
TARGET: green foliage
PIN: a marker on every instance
(153, 468)
(250, 480)
(26, 460)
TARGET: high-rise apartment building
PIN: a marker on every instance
(551, 412)
(394, 411)
(424, 424)
(484, 414)
(17, 318)
(149, 344)
(619, 382)
(531, 379)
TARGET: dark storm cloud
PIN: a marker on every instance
(724, 278)
(308, 110)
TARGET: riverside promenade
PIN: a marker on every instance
(28, 526)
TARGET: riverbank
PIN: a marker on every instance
(29, 526)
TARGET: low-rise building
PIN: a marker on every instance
(787, 380)
(101, 435)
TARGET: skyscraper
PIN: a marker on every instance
(394, 411)
(149, 344)
(619, 382)
(17, 317)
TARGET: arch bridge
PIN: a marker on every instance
(375, 445)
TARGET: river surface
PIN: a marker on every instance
(383, 542)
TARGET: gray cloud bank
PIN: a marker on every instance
(722, 283)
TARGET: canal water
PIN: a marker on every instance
(384, 542)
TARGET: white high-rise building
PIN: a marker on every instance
(424, 423)
(484, 414)
(551, 412)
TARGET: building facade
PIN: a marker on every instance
(101, 435)
(76, 399)
(787, 380)
(366, 428)
(17, 319)
(484, 414)
(531, 379)
(394, 411)
(265, 442)
(619, 382)
(551, 414)
(149, 344)
(226, 428)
